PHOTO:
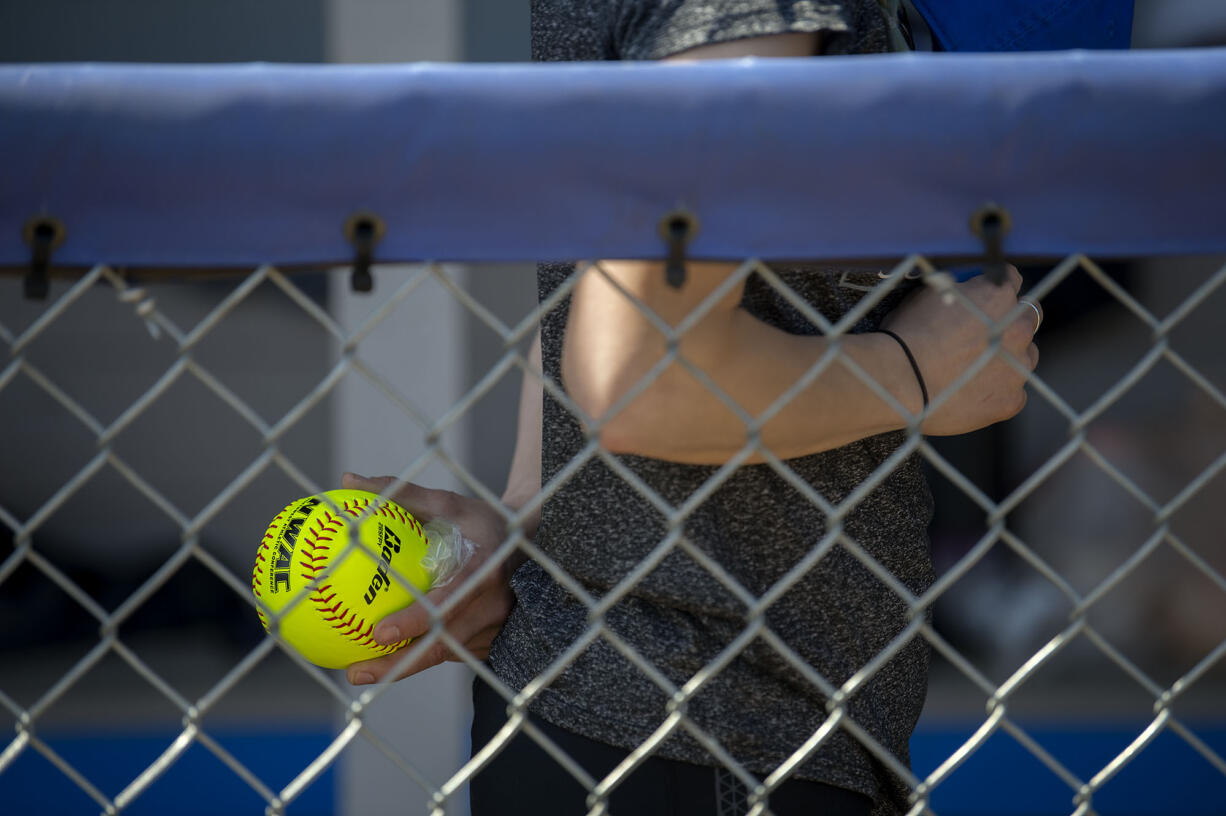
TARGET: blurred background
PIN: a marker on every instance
(1165, 616)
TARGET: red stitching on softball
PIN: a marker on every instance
(310, 543)
(356, 630)
(269, 536)
(388, 509)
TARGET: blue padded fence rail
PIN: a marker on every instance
(1107, 153)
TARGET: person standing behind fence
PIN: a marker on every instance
(838, 616)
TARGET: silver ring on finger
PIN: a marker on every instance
(1038, 314)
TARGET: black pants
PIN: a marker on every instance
(524, 779)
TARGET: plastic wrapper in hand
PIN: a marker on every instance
(447, 551)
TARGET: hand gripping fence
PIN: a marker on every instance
(1112, 184)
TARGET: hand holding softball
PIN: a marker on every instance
(478, 617)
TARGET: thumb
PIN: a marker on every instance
(411, 622)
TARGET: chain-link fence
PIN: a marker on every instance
(1121, 446)
(141, 303)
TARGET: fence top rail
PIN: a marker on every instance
(1108, 153)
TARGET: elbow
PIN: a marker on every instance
(628, 433)
(671, 418)
(621, 435)
(597, 392)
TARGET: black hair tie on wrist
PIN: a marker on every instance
(910, 359)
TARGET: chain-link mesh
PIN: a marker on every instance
(270, 453)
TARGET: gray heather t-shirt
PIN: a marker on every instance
(678, 617)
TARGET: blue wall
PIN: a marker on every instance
(199, 784)
(1168, 778)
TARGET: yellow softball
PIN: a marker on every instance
(332, 622)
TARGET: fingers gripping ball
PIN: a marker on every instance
(332, 624)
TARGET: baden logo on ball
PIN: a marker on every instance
(346, 593)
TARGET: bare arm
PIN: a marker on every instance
(524, 480)
(610, 346)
